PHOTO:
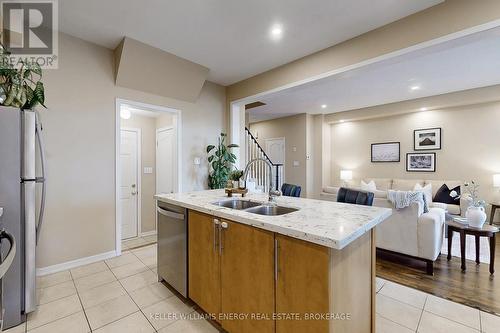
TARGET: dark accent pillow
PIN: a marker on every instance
(443, 195)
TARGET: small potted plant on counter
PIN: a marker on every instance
(235, 177)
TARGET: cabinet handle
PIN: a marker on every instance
(276, 256)
(216, 230)
(222, 225)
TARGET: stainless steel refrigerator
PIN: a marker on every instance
(21, 147)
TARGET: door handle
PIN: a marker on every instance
(276, 258)
(216, 229)
(222, 225)
(134, 192)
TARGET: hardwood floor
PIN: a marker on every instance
(475, 287)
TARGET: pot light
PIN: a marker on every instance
(341, 120)
(324, 106)
(424, 109)
(125, 114)
(415, 88)
(276, 32)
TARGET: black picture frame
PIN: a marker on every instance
(436, 146)
(433, 164)
(382, 144)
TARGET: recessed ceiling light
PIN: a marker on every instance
(341, 120)
(125, 114)
(415, 88)
(424, 109)
(324, 106)
(276, 32)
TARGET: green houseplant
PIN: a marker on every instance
(20, 85)
(221, 161)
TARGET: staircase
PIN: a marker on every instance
(259, 171)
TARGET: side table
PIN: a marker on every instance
(494, 207)
(463, 229)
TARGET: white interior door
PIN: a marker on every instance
(129, 146)
(165, 160)
(275, 149)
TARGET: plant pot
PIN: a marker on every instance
(476, 216)
(235, 184)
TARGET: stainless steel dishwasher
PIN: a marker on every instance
(172, 246)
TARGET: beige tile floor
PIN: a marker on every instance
(122, 295)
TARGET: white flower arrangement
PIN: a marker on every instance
(472, 190)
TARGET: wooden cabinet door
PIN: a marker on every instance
(302, 285)
(204, 262)
(247, 275)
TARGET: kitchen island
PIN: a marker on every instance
(311, 269)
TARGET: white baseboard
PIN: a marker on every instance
(74, 263)
(148, 233)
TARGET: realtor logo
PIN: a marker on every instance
(29, 31)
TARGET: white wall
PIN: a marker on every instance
(80, 142)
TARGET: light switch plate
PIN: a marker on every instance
(148, 170)
(197, 161)
(296, 163)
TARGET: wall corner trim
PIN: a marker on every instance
(74, 263)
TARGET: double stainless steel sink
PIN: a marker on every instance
(255, 207)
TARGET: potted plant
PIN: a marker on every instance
(20, 87)
(235, 177)
(221, 161)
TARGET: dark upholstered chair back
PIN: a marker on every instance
(291, 190)
(355, 197)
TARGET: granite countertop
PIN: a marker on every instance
(326, 223)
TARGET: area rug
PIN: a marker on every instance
(470, 248)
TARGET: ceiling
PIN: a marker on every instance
(231, 37)
(461, 64)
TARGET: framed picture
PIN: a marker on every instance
(421, 162)
(427, 139)
(386, 152)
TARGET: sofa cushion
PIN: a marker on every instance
(436, 184)
(451, 209)
(426, 190)
(371, 186)
(380, 194)
(406, 184)
(443, 195)
(382, 184)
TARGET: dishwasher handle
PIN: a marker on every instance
(168, 213)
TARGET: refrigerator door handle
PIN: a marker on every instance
(5, 265)
(42, 180)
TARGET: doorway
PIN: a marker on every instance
(147, 163)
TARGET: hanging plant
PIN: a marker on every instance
(20, 87)
(221, 161)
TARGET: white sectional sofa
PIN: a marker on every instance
(409, 231)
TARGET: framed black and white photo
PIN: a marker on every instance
(386, 152)
(427, 139)
(421, 162)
